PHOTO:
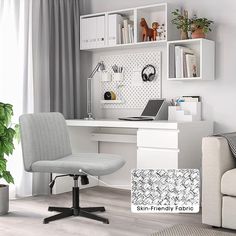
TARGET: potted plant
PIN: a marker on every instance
(200, 27)
(7, 136)
(182, 22)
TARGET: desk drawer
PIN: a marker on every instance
(149, 158)
(157, 138)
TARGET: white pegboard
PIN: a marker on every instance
(133, 96)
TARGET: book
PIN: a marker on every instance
(177, 62)
(180, 61)
(129, 34)
(126, 34)
(132, 34)
(123, 35)
(191, 62)
(120, 34)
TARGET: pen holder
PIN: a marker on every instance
(118, 76)
(106, 76)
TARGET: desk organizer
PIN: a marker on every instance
(132, 96)
(106, 76)
(186, 111)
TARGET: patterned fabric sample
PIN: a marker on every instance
(165, 190)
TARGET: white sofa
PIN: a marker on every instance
(219, 183)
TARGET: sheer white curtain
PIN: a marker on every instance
(12, 59)
(39, 68)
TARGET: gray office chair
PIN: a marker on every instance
(46, 148)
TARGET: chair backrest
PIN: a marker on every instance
(44, 136)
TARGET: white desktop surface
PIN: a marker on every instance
(112, 123)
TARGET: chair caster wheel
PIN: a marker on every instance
(45, 222)
(106, 222)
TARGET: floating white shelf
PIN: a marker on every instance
(129, 46)
(95, 27)
(111, 101)
(185, 79)
(204, 49)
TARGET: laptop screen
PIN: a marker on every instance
(152, 108)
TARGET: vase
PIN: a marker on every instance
(4, 199)
(198, 33)
(183, 35)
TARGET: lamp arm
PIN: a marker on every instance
(95, 70)
(100, 65)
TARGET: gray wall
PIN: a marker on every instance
(219, 96)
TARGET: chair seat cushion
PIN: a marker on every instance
(91, 163)
(228, 183)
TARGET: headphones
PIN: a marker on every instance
(148, 77)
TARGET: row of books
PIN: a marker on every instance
(121, 30)
(185, 62)
(126, 32)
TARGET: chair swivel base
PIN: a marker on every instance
(81, 211)
(76, 210)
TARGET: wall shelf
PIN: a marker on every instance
(111, 101)
(204, 50)
(129, 46)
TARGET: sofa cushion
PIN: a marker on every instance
(228, 183)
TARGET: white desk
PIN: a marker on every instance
(143, 144)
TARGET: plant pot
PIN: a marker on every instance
(198, 33)
(183, 35)
(4, 199)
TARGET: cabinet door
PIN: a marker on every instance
(150, 158)
(100, 31)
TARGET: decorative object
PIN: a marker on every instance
(135, 97)
(161, 32)
(7, 135)
(147, 33)
(182, 22)
(100, 66)
(155, 27)
(200, 27)
(110, 95)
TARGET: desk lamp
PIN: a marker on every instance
(99, 67)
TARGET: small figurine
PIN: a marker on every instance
(155, 26)
(147, 33)
(161, 32)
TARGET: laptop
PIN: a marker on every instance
(150, 111)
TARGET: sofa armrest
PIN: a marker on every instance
(216, 160)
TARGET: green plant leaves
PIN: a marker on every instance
(6, 113)
(7, 136)
(184, 23)
(7, 176)
(3, 164)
